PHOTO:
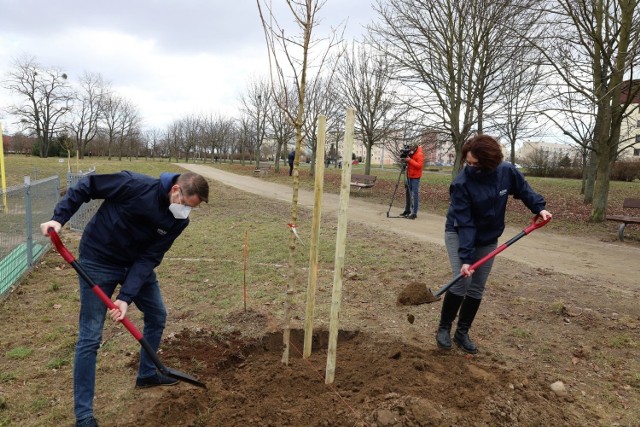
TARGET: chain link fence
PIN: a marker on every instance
(80, 219)
(22, 209)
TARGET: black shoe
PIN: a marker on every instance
(405, 213)
(412, 216)
(464, 342)
(443, 338)
(87, 422)
(155, 381)
(448, 313)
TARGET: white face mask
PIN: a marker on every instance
(180, 211)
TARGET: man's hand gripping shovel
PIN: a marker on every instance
(126, 322)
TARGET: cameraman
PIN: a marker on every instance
(413, 161)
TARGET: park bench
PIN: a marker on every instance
(262, 170)
(626, 219)
(363, 181)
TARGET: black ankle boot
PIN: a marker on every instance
(468, 312)
(450, 307)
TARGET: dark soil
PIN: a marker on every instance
(380, 381)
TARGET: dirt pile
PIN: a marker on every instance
(379, 382)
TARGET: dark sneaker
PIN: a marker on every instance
(155, 381)
(412, 216)
(87, 422)
(405, 213)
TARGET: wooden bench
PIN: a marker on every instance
(626, 219)
(363, 181)
(262, 170)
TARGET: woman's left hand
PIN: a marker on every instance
(545, 214)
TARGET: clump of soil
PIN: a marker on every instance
(415, 294)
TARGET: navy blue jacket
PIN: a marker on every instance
(133, 227)
(478, 204)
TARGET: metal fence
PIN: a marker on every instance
(22, 209)
(80, 219)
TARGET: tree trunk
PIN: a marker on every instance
(601, 190)
(367, 164)
(590, 177)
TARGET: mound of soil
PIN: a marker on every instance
(379, 382)
(415, 294)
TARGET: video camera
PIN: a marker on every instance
(406, 151)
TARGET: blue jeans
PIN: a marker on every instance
(91, 323)
(472, 286)
(412, 185)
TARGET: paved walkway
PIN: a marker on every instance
(609, 263)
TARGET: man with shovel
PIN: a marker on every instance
(475, 221)
(122, 244)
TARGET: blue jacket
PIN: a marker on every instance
(478, 202)
(133, 227)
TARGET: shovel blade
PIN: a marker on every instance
(431, 297)
(181, 376)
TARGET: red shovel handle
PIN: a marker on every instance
(94, 287)
(536, 223)
(126, 322)
(59, 246)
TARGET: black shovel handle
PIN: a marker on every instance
(62, 250)
(536, 223)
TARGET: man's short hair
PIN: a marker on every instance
(194, 184)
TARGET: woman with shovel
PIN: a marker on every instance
(475, 221)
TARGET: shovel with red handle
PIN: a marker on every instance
(126, 322)
(536, 223)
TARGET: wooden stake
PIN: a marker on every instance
(244, 274)
(315, 236)
(341, 238)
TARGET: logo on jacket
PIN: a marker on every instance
(503, 192)
(162, 232)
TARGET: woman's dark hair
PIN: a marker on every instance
(486, 149)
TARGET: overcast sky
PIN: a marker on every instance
(170, 58)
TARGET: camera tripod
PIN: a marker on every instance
(403, 173)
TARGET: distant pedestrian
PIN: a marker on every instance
(291, 158)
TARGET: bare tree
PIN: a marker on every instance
(597, 46)
(447, 54)
(365, 83)
(293, 51)
(128, 128)
(255, 104)
(280, 127)
(111, 120)
(322, 98)
(45, 100)
(574, 114)
(87, 109)
(519, 89)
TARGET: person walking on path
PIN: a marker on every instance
(123, 243)
(475, 221)
(291, 158)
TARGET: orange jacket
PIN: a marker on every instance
(415, 163)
